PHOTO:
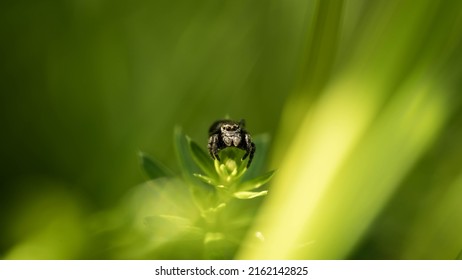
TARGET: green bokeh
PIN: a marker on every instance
(86, 85)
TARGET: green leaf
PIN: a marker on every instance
(202, 159)
(234, 155)
(257, 182)
(261, 142)
(206, 179)
(187, 164)
(153, 168)
(249, 195)
(202, 193)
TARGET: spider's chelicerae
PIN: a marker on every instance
(228, 133)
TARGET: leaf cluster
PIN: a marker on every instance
(224, 193)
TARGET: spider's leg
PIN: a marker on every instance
(213, 146)
(249, 149)
(246, 145)
(252, 152)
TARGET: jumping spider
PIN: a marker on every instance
(228, 133)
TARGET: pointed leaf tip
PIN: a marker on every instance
(249, 195)
(205, 179)
(202, 159)
(153, 168)
(187, 164)
(257, 182)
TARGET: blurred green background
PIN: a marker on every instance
(362, 100)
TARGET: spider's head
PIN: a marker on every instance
(230, 128)
(231, 133)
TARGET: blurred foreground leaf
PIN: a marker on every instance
(375, 118)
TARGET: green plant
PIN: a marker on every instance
(225, 196)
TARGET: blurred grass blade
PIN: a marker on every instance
(202, 159)
(153, 168)
(257, 182)
(441, 219)
(324, 179)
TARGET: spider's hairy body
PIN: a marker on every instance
(229, 133)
